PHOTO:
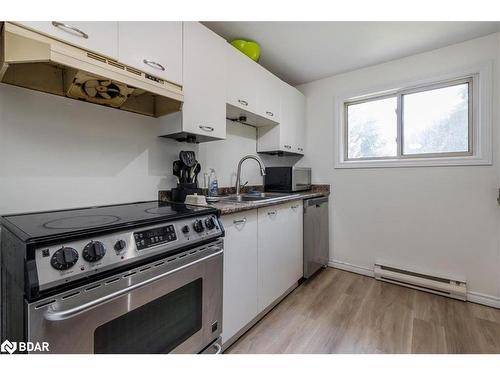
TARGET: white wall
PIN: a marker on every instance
(61, 153)
(441, 220)
(224, 155)
(58, 153)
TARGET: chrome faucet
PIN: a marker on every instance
(238, 174)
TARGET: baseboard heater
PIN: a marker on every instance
(433, 284)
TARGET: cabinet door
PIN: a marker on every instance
(279, 244)
(240, 272)
(299, 108)
(153, 47)
(100, 37)
(204, 108)
(289, 135)
(287, 130)
(242, 80)
(269, 95)
(295, 238)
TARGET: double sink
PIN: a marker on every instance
(258, 197)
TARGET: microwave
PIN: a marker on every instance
(287, 179)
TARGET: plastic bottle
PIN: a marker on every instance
(213, 185)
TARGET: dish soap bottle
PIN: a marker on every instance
(213, 185)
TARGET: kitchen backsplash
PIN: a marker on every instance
(58, 153)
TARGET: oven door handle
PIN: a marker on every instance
(52, 315)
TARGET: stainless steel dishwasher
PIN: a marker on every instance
(316, 239)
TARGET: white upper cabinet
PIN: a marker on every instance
(242, 80)
(153, 47)
(252, 91)
(268, 95)
(204, 81)
(99, 37)
(203, 114)
(297, 111)
(288, 136)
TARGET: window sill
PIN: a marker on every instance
(414, 162)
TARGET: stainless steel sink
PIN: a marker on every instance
(258, 197)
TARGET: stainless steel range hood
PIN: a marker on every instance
(38, 62)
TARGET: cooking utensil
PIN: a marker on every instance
(188, 158)
(197, 170)
(184, 174)
(177, 170)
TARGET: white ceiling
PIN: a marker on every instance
(300, 52)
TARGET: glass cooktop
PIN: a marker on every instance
(55, 223)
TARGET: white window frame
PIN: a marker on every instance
(480, 101)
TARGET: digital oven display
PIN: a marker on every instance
(153, 237)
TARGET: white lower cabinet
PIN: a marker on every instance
(240, 272)
(262, 259)
(279, 250)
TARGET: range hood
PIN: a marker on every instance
(38, 62)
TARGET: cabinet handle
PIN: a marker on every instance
(218, 348)
(288, 146)
(70, 29)
(243, 102)
(295, 207)
(153, 64)
(270, 213)
(269, 113)
(206, 128)
(240, 221)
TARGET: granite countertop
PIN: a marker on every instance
(231, 207)
(226, 207)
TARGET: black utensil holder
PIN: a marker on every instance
(179, 193)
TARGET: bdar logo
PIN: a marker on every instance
(8, 347)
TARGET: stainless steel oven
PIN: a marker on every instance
(171, 305)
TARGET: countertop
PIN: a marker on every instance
(226, 207)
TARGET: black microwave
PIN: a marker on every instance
(287, 179)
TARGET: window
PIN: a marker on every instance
(437, 121)
(428, 121)
(372, 130)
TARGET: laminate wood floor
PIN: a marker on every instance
(342, 312)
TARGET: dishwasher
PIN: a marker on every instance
(316, 239)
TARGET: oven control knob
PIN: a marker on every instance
(93, 251)
(64, 258)
(198, 226)
(185, 229)
(120, 245)
(210, 223)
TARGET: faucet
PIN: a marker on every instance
(238, 174)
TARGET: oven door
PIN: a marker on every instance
(172, 305)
